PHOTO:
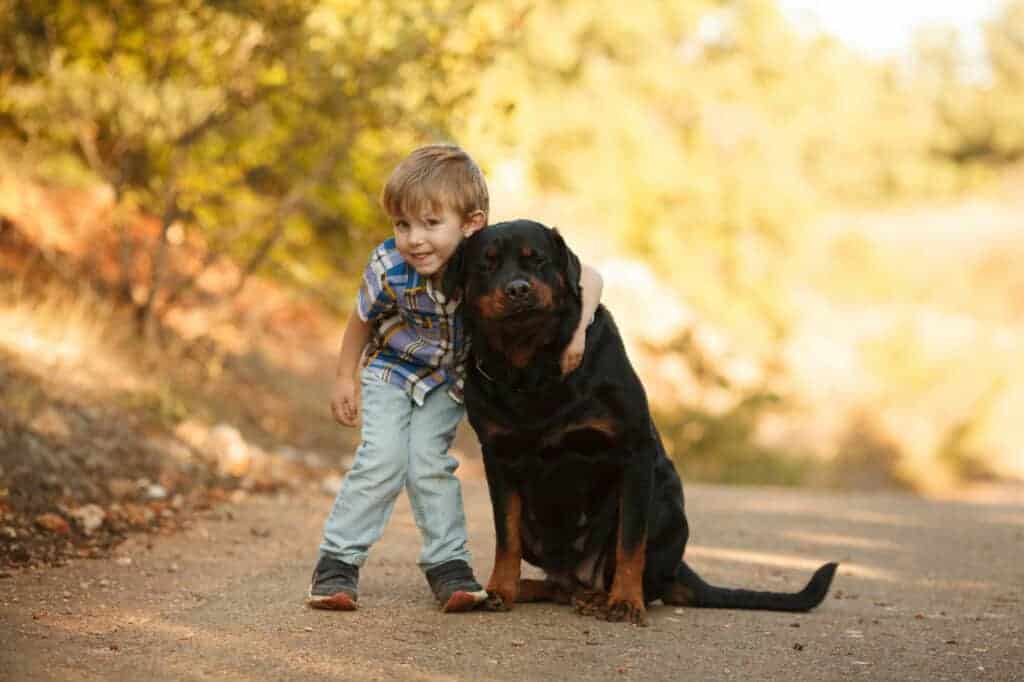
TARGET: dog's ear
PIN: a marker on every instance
(568, 264)
(455, 272)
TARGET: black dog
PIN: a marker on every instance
(579, 480)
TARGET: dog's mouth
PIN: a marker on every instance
(521, 308)
(520, 299)
(498, 308)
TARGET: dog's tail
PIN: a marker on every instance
(690, 590)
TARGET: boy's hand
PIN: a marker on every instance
(345, 402)
(573, 353)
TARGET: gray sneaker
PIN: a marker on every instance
(334, 585)
(455, 587)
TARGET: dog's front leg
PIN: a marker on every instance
(626, 598)
(503, 587)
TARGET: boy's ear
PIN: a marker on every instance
(568, 264)
(473, 224)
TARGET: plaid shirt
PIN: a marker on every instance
(418, 342)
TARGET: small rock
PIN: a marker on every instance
(120, 488)
(156, 491)
(308, 629)
(8, 533)
(228, 448)
(193, 432)
(88, 517)
(137, 515)
(123, 561)
(53, 523)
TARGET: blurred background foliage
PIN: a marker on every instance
(712, 141)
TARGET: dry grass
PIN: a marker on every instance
(68, 333)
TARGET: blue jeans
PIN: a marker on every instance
(403, 445)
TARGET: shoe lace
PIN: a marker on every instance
(453, 572)
(328, 570)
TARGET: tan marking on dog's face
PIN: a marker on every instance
(544, 293)
(491, 252)
(490, 305)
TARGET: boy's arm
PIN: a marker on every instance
(345, 395)
(375, 298)
(591, 285)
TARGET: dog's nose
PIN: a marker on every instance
(517, 289)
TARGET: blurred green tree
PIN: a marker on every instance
(263, 127)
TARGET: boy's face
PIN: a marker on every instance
(428, 240)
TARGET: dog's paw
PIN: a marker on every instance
(495, 602)
(589, 602)
(625, 612)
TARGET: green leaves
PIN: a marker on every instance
(271, 124)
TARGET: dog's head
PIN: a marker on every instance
(517, 277)
(514, 270)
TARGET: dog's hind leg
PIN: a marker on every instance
(542, 590)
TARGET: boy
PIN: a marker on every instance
(410, 384)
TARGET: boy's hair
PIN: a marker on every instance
(438, 176)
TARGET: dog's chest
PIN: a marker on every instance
(587, 437)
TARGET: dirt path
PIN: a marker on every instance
(927, 591)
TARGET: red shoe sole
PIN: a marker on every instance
(336, 602)
(461, 602)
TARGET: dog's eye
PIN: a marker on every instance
(538, 260)
(488, 263)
